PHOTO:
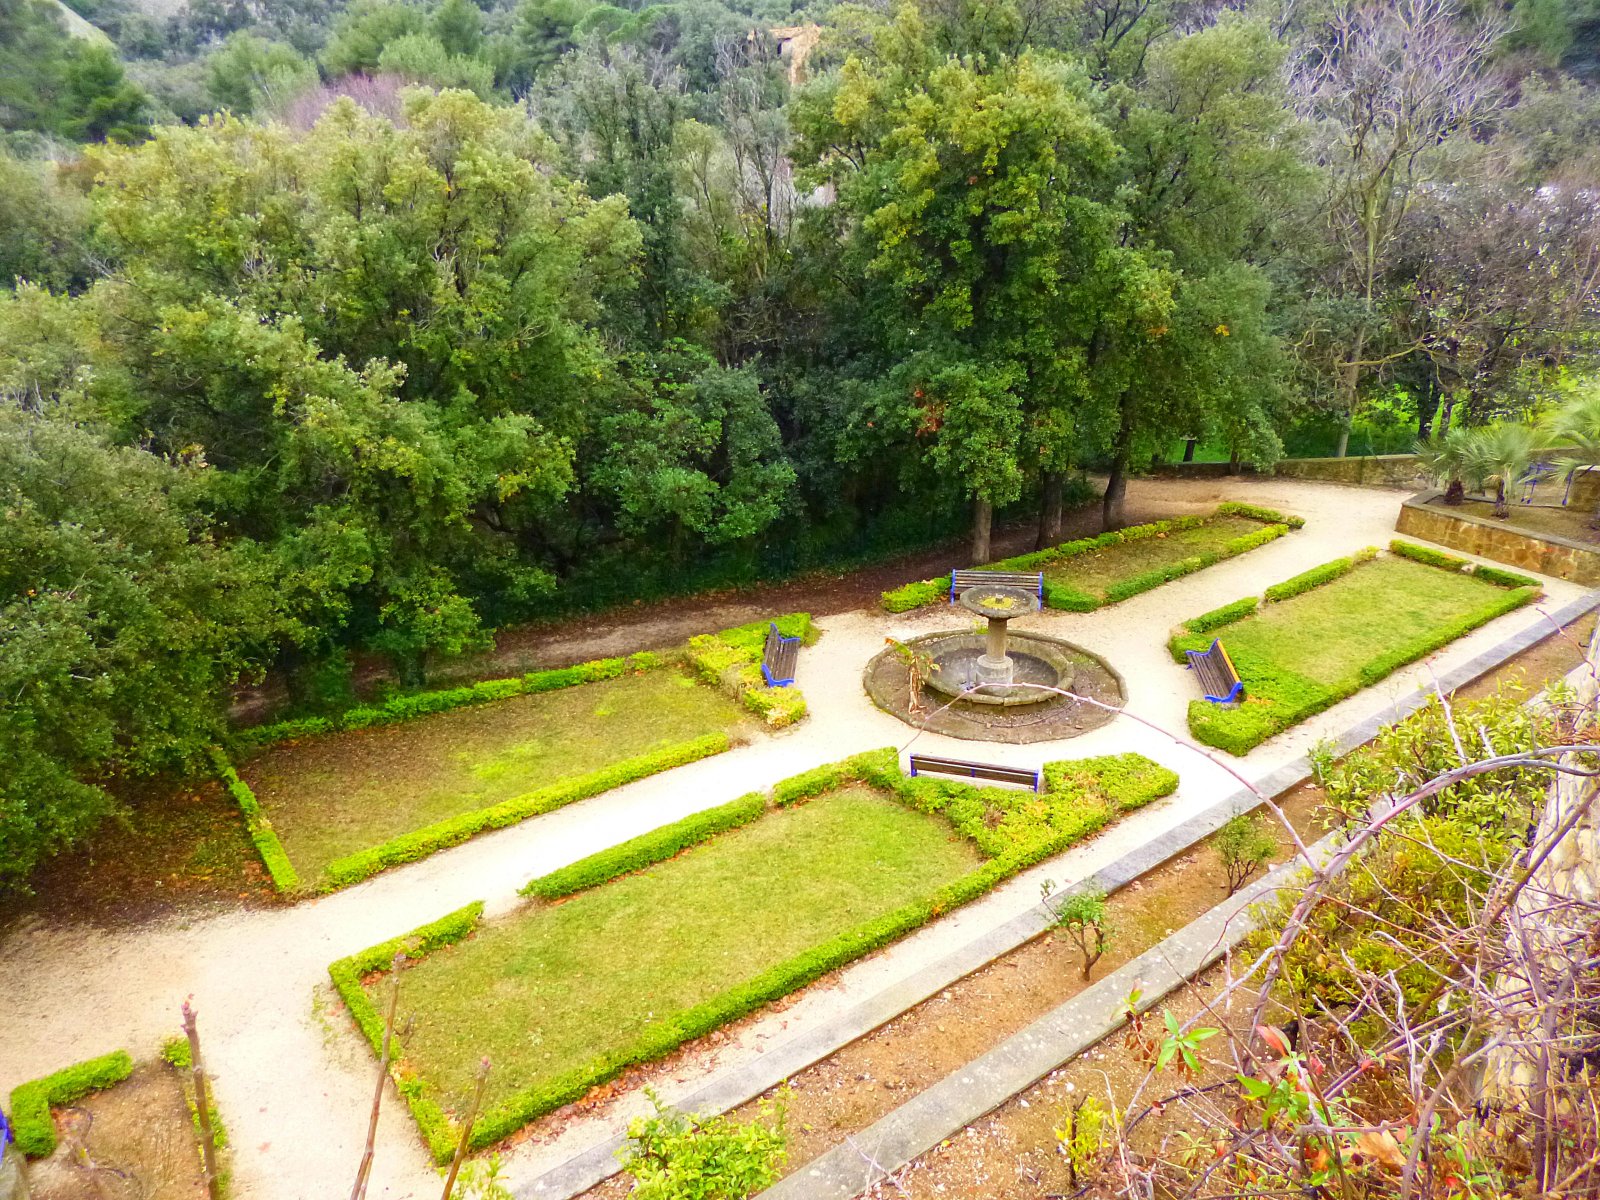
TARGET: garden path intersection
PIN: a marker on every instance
(293, 1078)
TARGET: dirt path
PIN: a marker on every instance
(293, 1081)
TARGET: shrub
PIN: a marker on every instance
(915, 595)
(1505, 579)
(1427, 555)
(262, 836)
(436, 1128)
(678, 1156)
(419, 844)
(1244, 844)
(1218, 617)
(32, 1127)
(1256, 513)
(731, 660)
(656, 846)
(1307, 580)
(1082, 916)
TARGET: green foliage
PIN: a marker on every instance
(646, 850)
(1083, 917)
(1432, 741)
(1503, 578)
(1429, 556)
(1271, 516)
(262, 836)
(1058, 561)
(123, 625)
(677, 1156)
(54, 83)
(1206, 622)
(248, 74)
(44, 229)
(1307, 580)
(731, 660)
(31, 1123)
(437, 1129)
(1244, 844)
(353, 868)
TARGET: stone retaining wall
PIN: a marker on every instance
(1545, 553)
(1376, 470)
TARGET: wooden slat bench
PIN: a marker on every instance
(928, 764)
(778, 657)
(1219, 680)
(960, 581)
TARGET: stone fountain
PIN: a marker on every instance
(998, 605)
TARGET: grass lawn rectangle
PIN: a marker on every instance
(338, 794)
(664, 938)
(1096, 572)
(1082, 576)
(1331, 638)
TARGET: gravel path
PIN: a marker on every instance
(294, 1080)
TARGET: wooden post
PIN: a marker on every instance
(360, 1189)
(466, 1129)
(202, 1102)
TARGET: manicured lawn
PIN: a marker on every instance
(336, 794)
(1096, 572)
(1300, 655)
(556, 986)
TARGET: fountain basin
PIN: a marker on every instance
(959, 665)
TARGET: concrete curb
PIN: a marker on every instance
(1023, 1059)
(743, 1083)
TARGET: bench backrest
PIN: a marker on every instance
(1225, 685)
(778, 657)
(992, 772)
(961, 580)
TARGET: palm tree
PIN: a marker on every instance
(1574, 429)
(1489, 456)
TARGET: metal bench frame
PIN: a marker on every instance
(961, 580)
(988, 772)
(779, 657)
(1213, 667)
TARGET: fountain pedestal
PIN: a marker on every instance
(995, 667)
(998, 605)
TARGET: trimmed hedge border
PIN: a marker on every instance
(1069, 599)
(265, 839)
(731, 660)
(347, 974)
(421, 704)
(1127, 781)
(364, 864)
(646, 850)
(175, 1053)
(32, 1127)
(1240, 729)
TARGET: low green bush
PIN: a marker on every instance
(731, 660)
(915, 595)
(648, 849)
(1428, 556)
(437, 1129)
(262, 836)
(419, 844)
(1306, 580)
(1218, 617)
(1255, 512)
(1504, 578)
(32, 1127)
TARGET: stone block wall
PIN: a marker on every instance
(1545, 554)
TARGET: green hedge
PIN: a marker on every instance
(1503, 578)
(31, 1124)
(731, 660)
(419, 844)
(1069, 599)
(648, 849)
(438, 1131)
(265, 839)
(1256, 513)
(419, 704)
(1428, 555)
(175, 1052)
(1218, 617)
(1276, 699)
(1107, 785)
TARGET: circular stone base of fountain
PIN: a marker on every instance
(1017, 714)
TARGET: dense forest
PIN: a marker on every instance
(333, 327)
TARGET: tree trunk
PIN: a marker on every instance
(1115, 502)
(982, 526)
(1049, 511)
(1233, 462)
(1344, 439)
(1188, 448)
(1427, 407)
